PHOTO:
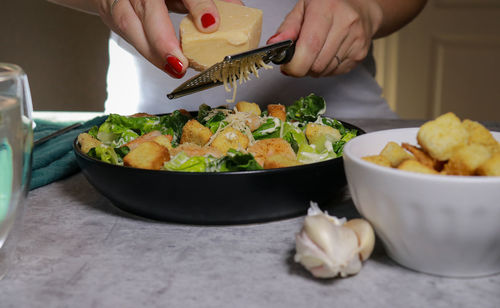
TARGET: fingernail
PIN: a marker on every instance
(273, 37)
(207, 20)
(174, 67)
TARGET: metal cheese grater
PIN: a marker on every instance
(277, 53)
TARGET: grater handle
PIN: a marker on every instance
(285, 56)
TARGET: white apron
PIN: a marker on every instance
(135, 85)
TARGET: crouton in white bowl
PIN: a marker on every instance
(446, 225)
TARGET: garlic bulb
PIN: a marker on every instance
(328, 246)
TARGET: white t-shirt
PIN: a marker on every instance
(135, 85)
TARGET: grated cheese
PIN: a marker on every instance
(239, 69)
(237, 120)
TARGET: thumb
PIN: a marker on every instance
(290, 27)
(204, 13)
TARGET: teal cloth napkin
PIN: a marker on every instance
(54, 159)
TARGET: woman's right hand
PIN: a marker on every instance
(146, 25)
(333, 36)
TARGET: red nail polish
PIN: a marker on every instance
(273, 36)
(207, 20)
(174, 67)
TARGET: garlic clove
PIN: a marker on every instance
(315, 210)
(311, 262)
(321, 232)
(326, 248)
(365, 234)
(308, 253)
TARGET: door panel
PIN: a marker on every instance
(462, 79)
(448, 59)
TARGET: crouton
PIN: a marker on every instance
(87, 142)
(141, 115)
(423, 157)
(395, 153)
(252, 108)
(164, 140)
(480, 135)
(262, 149)
(253, 122)
(186, 113)
(378, 159)
(230, 138)
(442, 136)
(415, 166)
(194, 132)
(315, 131)
(465, 160)
(277, 111)
(491, 167)
(147, 155)
(144, 138)
(191, 149)
(279, 161)
(496, 149)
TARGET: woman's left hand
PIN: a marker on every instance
(332, 36)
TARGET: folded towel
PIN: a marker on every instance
(54, 159)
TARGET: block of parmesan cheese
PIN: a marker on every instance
(239, 31)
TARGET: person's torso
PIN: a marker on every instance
(135, 85)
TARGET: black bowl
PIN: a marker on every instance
(216, 198)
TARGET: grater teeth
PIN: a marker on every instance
(206, 76)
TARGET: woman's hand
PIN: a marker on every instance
(146, 25)
(332, 36)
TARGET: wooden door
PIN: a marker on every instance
(447, 59)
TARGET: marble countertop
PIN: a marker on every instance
(77, 250)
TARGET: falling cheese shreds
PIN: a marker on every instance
(239, 69)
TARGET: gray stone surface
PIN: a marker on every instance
(77, 250)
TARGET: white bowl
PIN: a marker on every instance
(437, 224)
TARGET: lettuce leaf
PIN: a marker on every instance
(203, 112)
(294, 135)
(216, 121)
(338, 146)
(325, 147)
(347, 134)
(172, 125)
(212, 123)
(310, 153)
(234, 161)
(106, 154)
(122, 151)
(321, 149)
(115, 134)
(118, 130)
(335, 124)
(93, 131)
(141, 125)
(182, 162)
(237, 161)
(306, 109)
(269, 129)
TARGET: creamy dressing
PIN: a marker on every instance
(329, 146)
(231, 136)
(277, 123)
